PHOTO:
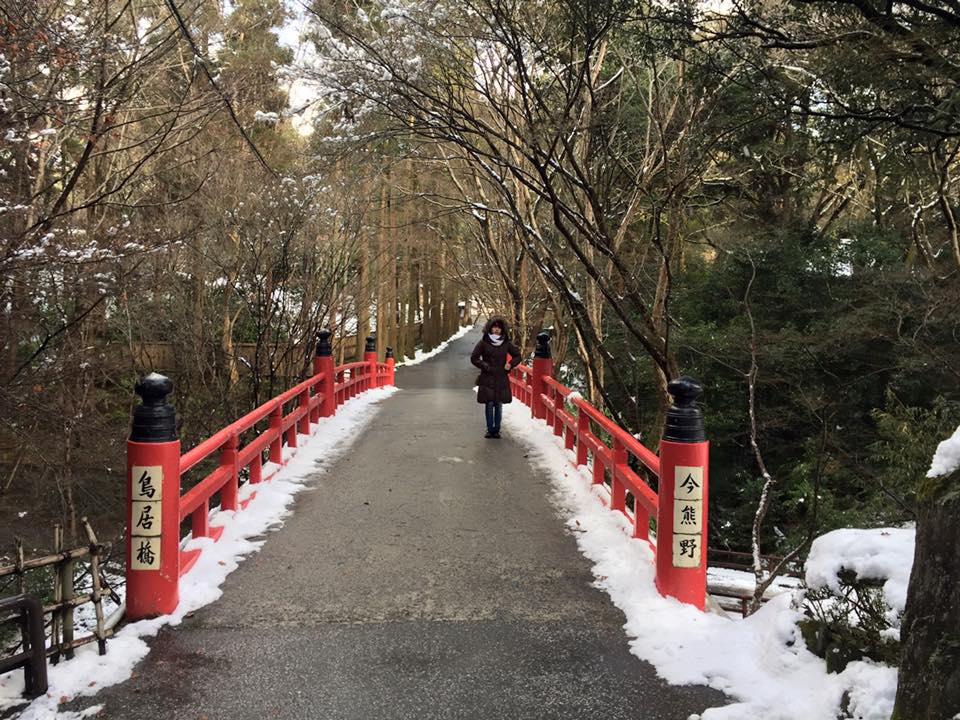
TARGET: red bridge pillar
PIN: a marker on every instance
(391, 368)
(153, 503)
(542, 367)
(370, 358)
(682, 506)
(323, 365)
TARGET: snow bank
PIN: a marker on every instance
(947, 457)
(88, 672)
(761, 661)
(881, 554)
(420, 355)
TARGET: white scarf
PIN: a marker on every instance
(495, 340)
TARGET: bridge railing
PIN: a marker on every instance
(156, 469)
(622, 466)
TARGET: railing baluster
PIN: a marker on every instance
(618, 491)
(256, 468)
(304, 422)
(598, 470)
(292, 435)
(583, 428)
(276, 443)
(231, 488)
(641, 520)
(200, 521)
(558, 403)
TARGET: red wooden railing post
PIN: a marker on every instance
(598, 468)
(323, 363)
(618, 491)
(275, 421)
(228, 459)
(370, 371)
(542, 366)
(256, 468)
(303, 424)
(317, 387)
(682, 501)
(583, 427)
(391, 378)
(292, 435)
(559, 403)
(153, 503)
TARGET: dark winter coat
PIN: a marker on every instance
(493, 385)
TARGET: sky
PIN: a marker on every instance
(301, 92)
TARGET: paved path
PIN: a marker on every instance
(426, 577)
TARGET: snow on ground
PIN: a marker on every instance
(760, 662)
(947, 457)
(243, 531)
(420, 355)
(745, 582)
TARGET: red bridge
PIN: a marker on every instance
(425, 574)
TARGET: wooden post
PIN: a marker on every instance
(683, 497)
(618, 491)
(57, 595)
(228, 459)
(542, 367)
(276, 444)
(95, 579)
(391, 378)
(323, 364)
(370, 371)
(153, 504)
(583, 427)
(66, 582)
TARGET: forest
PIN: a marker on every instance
(762, 196)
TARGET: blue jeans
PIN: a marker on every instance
(494, 412)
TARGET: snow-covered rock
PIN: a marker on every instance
(947, 457)
(882, 554)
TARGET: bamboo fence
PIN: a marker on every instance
(62, 638)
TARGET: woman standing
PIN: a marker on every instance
(490, 355)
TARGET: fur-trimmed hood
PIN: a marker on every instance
(497, 319)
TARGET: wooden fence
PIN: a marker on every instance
(168, 356)
(60, 600)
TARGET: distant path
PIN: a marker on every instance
(426, 576)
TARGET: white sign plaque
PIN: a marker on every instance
(686, 551)
(688, 482)
(145, 519)
(146, 483)
(146, 513)
(145, 553)
(687, 518)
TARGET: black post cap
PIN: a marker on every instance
(155, 420)
(684, 418)
(389, 352)
(371, 345)
(323, 344)
(543, 345)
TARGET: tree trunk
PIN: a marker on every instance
(362, 300)
(382, 271)
(391, 336)
(929, 687)
(413, 303)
